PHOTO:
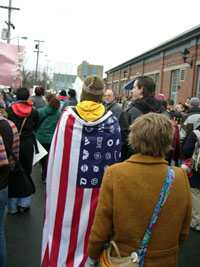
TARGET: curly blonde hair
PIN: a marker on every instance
(151, 134)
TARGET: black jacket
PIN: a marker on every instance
(135, 109)
(188, 151)
(16, 113)
(143, 106)
(192, 111)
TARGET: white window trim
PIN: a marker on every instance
(152, 72)
(180, 75)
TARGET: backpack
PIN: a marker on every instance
(196, 153)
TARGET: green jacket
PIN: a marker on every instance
(48, 119)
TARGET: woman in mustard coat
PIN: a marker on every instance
(130, 191)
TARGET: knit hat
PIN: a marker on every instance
(92, 89)
(160, 96)
(39, 90)
(72, 92)
(63, 93)
(194, 102)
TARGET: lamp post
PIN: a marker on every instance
(37, 47)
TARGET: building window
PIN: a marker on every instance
(85, 71)
(115, 87)
(198, 83)
(174, 87)
(57, 78)
(68, 79)
(62, 78)
(89, 71)
(109, 85)
(157, 83)
(73, 79)
(123, 90)
(182, 75)
(151, 76)
(94, 71)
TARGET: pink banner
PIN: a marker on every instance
(11, 63)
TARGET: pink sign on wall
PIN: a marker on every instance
(11, 63)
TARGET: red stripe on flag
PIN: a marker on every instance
(75, 226)
(58, 126)
(45, 261)
(62, 191)
(93, 202)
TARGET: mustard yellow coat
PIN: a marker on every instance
(128, 195)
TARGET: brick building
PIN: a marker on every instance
(174, 66)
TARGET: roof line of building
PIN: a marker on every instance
(169, 43)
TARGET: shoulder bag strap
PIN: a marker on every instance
(163, 197)
(22, 125)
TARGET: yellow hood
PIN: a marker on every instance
(90, 111)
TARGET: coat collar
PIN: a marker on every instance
(145, 159)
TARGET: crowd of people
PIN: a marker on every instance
(128, 149)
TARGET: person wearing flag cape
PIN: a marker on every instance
(87, 140)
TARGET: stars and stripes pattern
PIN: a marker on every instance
(79, 154)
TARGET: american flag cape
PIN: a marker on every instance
(79, 154)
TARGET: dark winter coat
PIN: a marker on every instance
(115, 108)
(135, 109)
(143, 106)
(188, 151)
(191, 112)
(72, 102)
(38, 101)
(16, 113)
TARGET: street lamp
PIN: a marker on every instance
(185, 55)
(19, 37)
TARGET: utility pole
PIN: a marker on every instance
(46, 73)
(10, 8)
(37, 46)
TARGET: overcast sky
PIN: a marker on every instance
(102, 32)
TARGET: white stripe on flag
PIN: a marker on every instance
(54, 187)
(71, 190)
(52, 194)
(85, 212)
